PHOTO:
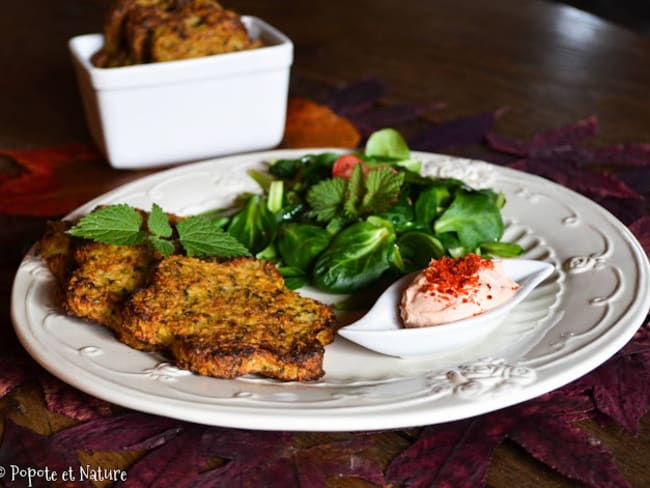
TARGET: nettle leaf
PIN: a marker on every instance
(201, 236)
(164, 247)
(157, 222)
(327, 198)
(114, 224)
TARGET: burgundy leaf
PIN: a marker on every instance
(625, 209)
(339, 459)
(640, 342)
(62, 398)
(173, 465)
(282, 464)
(568, 404)
(582, 180)
(451, 455)
(357, 96)
(568, 135)
(641, 229)
(239, 444)
(119, 433)
(460, 132)
(12, 374)
(635, 155)
(568, 450)
(622, 390)
(636, 178)
(24, 448)
(372, 119)
(507, 145)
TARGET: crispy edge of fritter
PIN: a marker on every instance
(199, 354)
(204, 351)
(65, 256)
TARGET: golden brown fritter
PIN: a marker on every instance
(95, 279)
(144, 31)
(231, 318)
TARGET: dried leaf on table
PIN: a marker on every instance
(286, 465)
(27, 449)
(12, 375)
(66, 400)
(460, 132)
(455, 454)
(375, 118)
(309, 124)
(174, 464)
(123, 432)
(356, 97)
(568, 450)
(53, 181)
(641, 229)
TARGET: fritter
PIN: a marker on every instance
(96, 279)
(231, 318)
(145, 31)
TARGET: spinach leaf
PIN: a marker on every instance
(430, 203)
(388, 144)
(474, 217)
(300, 244)
(359, 255)
(418, 248)
(254, 225)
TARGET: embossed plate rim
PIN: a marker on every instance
(480, 385)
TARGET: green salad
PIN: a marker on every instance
(339, 222)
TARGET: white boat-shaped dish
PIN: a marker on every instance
(381, 329)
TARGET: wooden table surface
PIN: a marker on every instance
(552, 65)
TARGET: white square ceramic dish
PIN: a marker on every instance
(170, 112)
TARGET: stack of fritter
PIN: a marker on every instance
(223, 318)
(146, 31)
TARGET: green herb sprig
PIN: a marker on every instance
(122, 225)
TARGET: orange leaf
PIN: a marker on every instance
(312, 125)
(53, 181)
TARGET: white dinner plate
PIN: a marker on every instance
(590, 306)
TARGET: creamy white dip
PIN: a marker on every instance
(424, 303)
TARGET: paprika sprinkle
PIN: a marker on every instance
(455, 288)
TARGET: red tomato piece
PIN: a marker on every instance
(344, 166)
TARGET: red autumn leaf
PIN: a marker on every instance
(124, 432)
(356, 97)
(53, 181)
(175, 464)
(583, 180)
(632, 155)
(453, 455)
(375, 118)
(641, 229)
(12, 374)
(568, 450)
(23, 448)
(569, 135)
(622, 389)
(640, 343)
(460, 132)
(286, 465)
(62, 398)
